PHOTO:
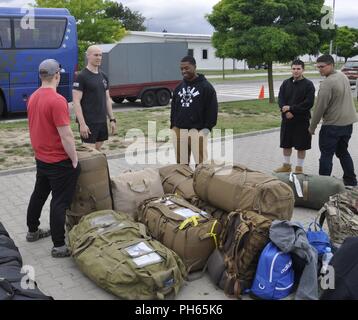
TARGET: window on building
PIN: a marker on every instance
(205, 54)
(191, 52)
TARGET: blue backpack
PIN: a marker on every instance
(274, 277)
(318, 239)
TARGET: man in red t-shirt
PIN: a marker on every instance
(56, 159)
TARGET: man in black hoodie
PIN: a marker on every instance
(296, 98)
(194, 112)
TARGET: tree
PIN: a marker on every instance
(345, 43)
(93, 26)
(265, 31)
(131, 20)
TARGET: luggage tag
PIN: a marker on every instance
(296, 182)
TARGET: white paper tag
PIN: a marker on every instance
(139, 249)
(185, 212)
(298, 187)
(147, 259)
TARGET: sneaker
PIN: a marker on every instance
(298, 170)
(284, 168)
(60, 252)
(37, 235)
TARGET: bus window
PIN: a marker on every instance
(48, 33)
(5, 33)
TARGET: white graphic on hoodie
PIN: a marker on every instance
(187, 96)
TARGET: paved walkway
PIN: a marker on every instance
(63, 280)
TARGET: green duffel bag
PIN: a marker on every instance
(123, 259)
(311, 191)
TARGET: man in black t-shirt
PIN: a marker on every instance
(92, 102)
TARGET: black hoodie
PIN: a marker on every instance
(194, 105)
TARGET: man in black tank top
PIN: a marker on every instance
(92, 102)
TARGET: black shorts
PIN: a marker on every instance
(294, 134)
(99, 133)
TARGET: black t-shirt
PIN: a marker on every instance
(93, 102)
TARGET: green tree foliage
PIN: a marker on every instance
(93, 25)
(131, 20)
(265, 31)
(345, 43)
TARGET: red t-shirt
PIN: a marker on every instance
(47, 110)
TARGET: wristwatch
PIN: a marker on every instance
(113, 120)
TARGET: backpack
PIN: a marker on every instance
(119, 255)
(93, 190)
(244, 237)
(181, 227)
(274, 277)
(341, 212)
(11, 273)
(318, 239)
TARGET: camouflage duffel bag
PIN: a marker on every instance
(341, 213)
(121, 258)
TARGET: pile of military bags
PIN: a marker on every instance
(183, 216)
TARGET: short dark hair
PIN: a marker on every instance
(326, 58)
(298, 62)
(189, 59)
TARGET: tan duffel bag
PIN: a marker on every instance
(178, 179)
(93, 191)
(180, 226)
(237, 187)
(133, 187)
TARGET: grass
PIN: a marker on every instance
(240, 116)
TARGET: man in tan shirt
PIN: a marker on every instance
(335, 105)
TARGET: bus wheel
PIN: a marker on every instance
(131, 99)
(163, 97)
(117, 99)
(2, 107)
(148, 99)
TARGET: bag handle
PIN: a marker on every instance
(139, 188)
(315, 223)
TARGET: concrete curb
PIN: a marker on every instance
(122, 154)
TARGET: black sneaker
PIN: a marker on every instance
(37, 235)
(60, 252)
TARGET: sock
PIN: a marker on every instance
(300, 162)
(287, 160)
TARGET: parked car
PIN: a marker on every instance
(350, 69)
(258, 66)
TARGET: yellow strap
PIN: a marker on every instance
(213, 234)
(193, 219)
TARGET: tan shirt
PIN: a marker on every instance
(334, 102)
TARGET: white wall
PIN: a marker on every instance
(212, 63)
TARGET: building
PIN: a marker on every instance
(199, 46)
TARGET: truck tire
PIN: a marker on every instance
(2, 107)
(117, 99)
(148, 99)
(163, 97)
(131, 99)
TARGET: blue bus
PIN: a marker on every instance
(27, 37)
